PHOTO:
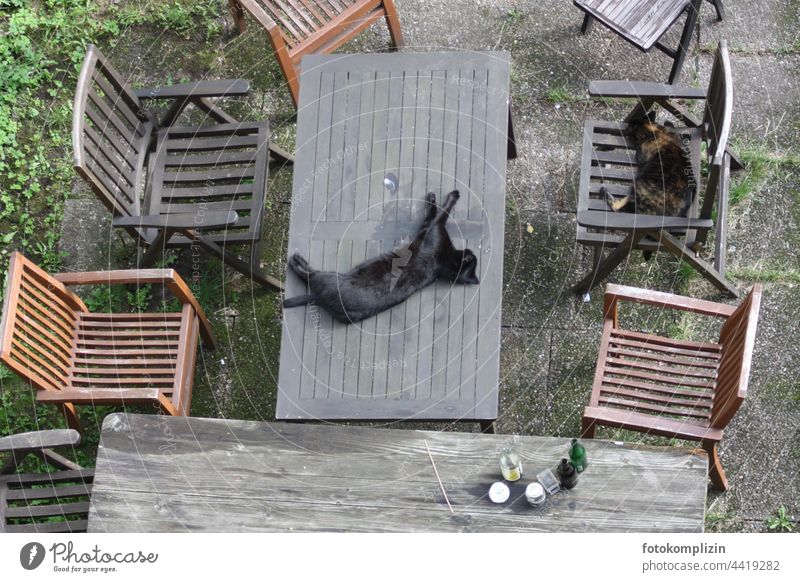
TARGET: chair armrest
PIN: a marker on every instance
(615, 293)
(625, 221)
(196, 90)
(168, 277)
(643, 90)
(41, 439)
(178, 221)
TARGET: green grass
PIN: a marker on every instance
(560, 94)
(760, 165)
(780, 521)
(42, 45)
(765, 275)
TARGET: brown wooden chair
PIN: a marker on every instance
(300, 27)
(668, 387)
(609, 161)
(74, 357)
(643, 22)
(170, 186)
(47, 502)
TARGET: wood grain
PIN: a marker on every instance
(435, 122)
(165, 474)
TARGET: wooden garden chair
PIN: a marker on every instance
(171, 186)
(74, 357)
(644, 22)
(300, 27)
(609, 161)
(47, 502)
(668, 387)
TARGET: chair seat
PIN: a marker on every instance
(609, 161)
(642, 22)
(665, 383)
(130, 351)
(34, 502)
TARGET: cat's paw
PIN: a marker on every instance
(430, 198)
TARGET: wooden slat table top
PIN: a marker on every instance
(429, 122)
(174, 474)
(642, 22)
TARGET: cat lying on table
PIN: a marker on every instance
(381, 283)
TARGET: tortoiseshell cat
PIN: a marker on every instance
(664, 183)
(385, 281)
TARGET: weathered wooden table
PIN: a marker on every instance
(375, 133)
(171, 474)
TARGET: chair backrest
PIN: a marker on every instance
(38, 326)
(298, 20)
(50, 501)
(110, 135)
(719, 105)
(737, 338)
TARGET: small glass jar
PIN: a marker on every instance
(510, 464)
(535, 494)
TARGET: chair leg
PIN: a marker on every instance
(280, 155)
(156, 249)
(719, 8)
(393, 22)
(677, 248)
(686, 38)
(588, 427)
(715, 471)
(487, 426)
(587, 24)
(604, 269)
(256, 274)
(238, 15)
(71, 416)
(511, 150)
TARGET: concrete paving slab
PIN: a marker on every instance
(766, 25)
(525, 400)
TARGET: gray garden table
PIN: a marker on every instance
(375, 133)
(180, 474)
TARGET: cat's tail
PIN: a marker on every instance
(298, 301)
(300, 266)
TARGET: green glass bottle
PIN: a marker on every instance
(577, 456)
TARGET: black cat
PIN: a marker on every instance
(385, 281)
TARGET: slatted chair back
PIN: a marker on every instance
(300, 20)
(719, 106)
(110, 136)
(737, 338)
(300, 27)
(52, 500)
(40, 320)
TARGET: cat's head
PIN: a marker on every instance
(643, 128)
(466, 272)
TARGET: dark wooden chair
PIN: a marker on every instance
(170, 186)
(643, 22)
(668, 387)
(299, 27)
(74, 357)
(47, 502)
(609, 161)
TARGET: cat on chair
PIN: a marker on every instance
(389, 279)
(664, 183)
